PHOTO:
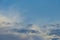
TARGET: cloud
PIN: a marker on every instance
(41, 35)
(10, 17)
(29, 34)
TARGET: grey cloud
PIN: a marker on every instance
(27, 33)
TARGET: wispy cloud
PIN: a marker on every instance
(10, 17)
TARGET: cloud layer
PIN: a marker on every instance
(28, 33)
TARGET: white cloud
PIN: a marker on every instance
(10, 17)
(45, 36)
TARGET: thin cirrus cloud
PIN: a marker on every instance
(10, 17)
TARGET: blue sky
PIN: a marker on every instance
(35, 11)
(17, 14)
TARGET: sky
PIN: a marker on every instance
(29, 14)
(39, 12)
